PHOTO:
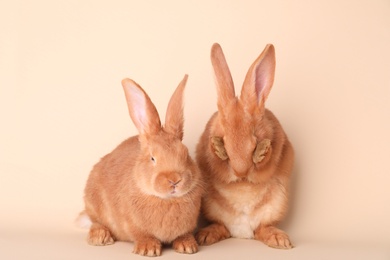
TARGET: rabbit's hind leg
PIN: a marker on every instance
(99, 235)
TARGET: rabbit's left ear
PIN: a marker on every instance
(174, 118)
(141, 109)
(259, 79)
(223, 78)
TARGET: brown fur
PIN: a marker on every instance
(247, 193)
(130, 197)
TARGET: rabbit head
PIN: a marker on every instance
(163, 167)
(242, 134)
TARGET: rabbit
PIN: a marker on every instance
(245, 158)
(148, 189)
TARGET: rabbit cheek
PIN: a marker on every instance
(168, 184)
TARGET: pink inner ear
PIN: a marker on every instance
(260, 82)
(141, 115)
(139, 110)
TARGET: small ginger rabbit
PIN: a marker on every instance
(246, 159)
(147, 190)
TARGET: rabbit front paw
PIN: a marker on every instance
(185, 244)
(148, 247)
(273, 237)
(212, 234)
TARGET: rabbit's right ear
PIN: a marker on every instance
(174, 118)
(142, 111)
(259, 79)
(223, 78)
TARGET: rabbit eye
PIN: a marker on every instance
(152, 159)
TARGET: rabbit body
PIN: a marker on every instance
(147, 190)
(246, 159)
(115, 199)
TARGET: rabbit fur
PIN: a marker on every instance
(148, 189)
(245, 157)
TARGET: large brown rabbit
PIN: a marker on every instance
(246, 159)
(147, 190)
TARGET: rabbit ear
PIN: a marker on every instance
(223, 78)
(141, 109)
(174, 119)
(259, 79)
(219, 148)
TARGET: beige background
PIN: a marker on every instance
(62, 108)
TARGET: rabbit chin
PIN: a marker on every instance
(163, 193)
(166, 195)
(170, 195)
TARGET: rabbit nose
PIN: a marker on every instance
(241, 175)
(174, 183)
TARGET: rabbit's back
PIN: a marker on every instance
(104, 191)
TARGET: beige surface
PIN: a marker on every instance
(68, 245)
(62, 108)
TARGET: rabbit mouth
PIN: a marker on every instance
(170, 191)
(175, 191)
(171, 194)
(170, 184)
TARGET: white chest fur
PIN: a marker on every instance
(247, 208)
